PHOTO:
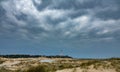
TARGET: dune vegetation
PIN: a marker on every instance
(59, 65)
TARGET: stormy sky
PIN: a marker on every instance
(79, 28)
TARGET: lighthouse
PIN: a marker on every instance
(61, 53)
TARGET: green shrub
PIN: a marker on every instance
(1, 61)
(40, 68)
(4, 70)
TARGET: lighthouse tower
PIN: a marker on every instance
(61, 52)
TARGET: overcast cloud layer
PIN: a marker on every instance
(60, 19)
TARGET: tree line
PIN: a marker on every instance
(34, 56)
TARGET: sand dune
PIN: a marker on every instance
(61, 64)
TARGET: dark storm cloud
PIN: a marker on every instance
(60, 19)
(109, 15)
(43, 5)
(111, 10)
(76, 4)
(21, 17)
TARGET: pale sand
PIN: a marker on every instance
(86, 70)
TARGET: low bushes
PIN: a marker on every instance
(41, 68)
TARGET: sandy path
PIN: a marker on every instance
(86, 70)
(9, 63)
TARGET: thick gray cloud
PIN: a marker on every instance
(60, 19)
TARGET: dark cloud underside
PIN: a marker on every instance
(60, 19)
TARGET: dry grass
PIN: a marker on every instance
(33, 65)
